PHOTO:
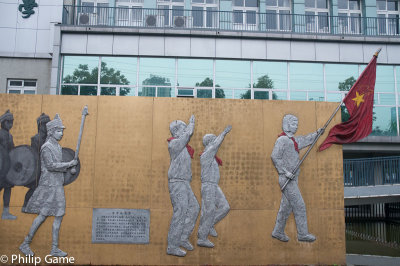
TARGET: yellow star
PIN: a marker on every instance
(359, 98)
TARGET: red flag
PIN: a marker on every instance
(359, 102)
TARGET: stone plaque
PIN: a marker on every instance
(126, 226)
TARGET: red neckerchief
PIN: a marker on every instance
(296, 146)
(219, 161)
(188, 147)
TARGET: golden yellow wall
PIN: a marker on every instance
(125, 161)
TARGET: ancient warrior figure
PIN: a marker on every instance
(184, 203)
(7, 143)
(285, 157)
(36, 143)
(48, 199)
(214, 205)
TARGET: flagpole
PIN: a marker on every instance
(318, 135)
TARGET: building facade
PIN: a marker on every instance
(307, 50)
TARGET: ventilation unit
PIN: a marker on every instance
(151, 21)
(179, 21)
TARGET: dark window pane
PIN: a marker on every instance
(30, 83)
(381, 5)
(271, 20)
(237, 16)
(238, 2)
(164, 92)
(251, 17)
(14, 91)
(148, 92)
(204, 93)
(251, 3)
(108, 91)
(270, 2)
(354, 5)
(29, 92)
(343, 4)
(88, 90)
(16, 83)
(310, 3)
(322, 4)
(197, 13)
(69, 90)
(262, 95)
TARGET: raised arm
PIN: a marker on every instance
(214, 146)
(181, 141)
(304, 141)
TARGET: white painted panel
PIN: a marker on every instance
(328, 52)
(151, 45)
(25, 41)
(177, 46)
(50, 2)
(7, 43)
(370, 49)
(351, 52)
(202, 47)
(278, 50)
(99, 44)
(393, 53)
(28, 23)
(302, 51)
(254, 49)
(126, 45)
(8, 15)
(43, 42)
(228, 48)
(74, 43)
(44, 16)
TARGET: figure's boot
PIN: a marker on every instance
(205, 243)
(6, 215)
(55, 251)
(187, 245)
(279, 229)
(25, 248)
(175, 251)
(302, 228)
(213, 232)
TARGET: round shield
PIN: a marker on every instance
(23, 166)
(4, 162)
(67, 156)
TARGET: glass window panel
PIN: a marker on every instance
(354, 5)
(30, 83)
(108, 91)
(211, 16)
(270, 74)
(177, 11)
(392, 5)
(29, 92)
(387, 99)
(384, 79)
(334, 97)
(271, 20)
(237, 16)
(197, 13)
(251, 17)
(298, 96)
(88, 90)
(316, 96)
(343, 4)
(279, 95)
(69, 90)
(398, 77)
(17, 83)
(118, 70)
(238, 2)
(224, 93)
(310, 3)
(164, 92)
(261, 95)
(340, 77)
(322, 4)
(126, 91)
(306, 76)
(381, 5)
(284, 3)
(204, 93)
(147, 91)
(195, 73)
(271, 2)
(232, 73)
(157, 71)
(185, 92)
(14, 91)
(384, 123)
(242, 94)
(81, 69)
(251, 3)
(87, 7)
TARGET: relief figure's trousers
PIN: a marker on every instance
(291, 201)
(214, 207)
(185, 212)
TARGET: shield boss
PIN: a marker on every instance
(23, 166)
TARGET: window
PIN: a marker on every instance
(21, 86)
(317, 12)
(278, 15)
(388, 16)
(205, 13)
(129, 12)
(96, 11)
(349, 16)
(172, 12)
(245, 14)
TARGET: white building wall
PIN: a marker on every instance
(28, 37)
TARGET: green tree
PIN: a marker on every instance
(207, 82)
(263, 82)
(346, 86)
(156, 81)
(82, 75)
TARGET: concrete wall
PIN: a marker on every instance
(25, 68)
(125, 162)
(28, 37)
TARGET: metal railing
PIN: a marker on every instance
(371, 171)
(230, 21)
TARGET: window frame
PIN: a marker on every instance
(21, 88)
